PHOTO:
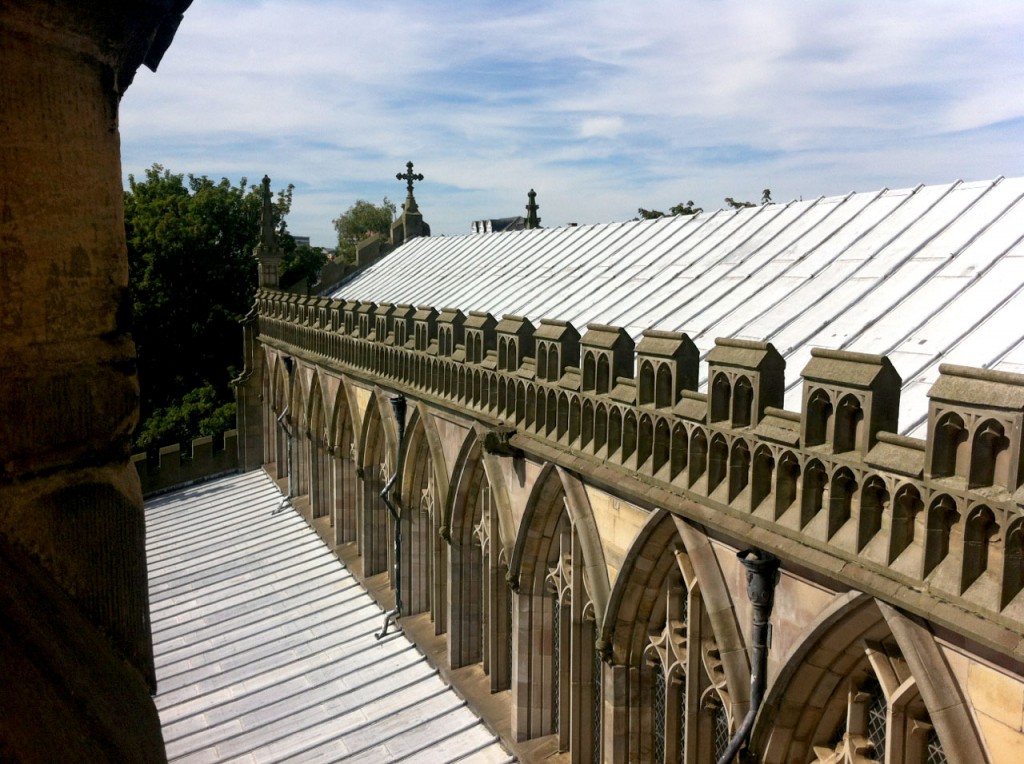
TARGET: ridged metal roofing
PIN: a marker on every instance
(927, 275)
(265, 647)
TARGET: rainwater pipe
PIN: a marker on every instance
(762, 576)
(398, 407)
(282, 420)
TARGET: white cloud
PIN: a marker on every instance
(601, 107)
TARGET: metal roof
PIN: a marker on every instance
(265, 647)
(927, 275)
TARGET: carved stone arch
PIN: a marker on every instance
(424, 562)
(662, 446)
(645, 385)
(589, 371)
(317, 444)
(1013, 563)
(587, 423)
(604, 382)
(343, 436)
(990, 450)
(950, 443)
(721, 611)
(580, 513)
(543, 496)
(857, 637)
(377, 461)
(939, 689)
(279, 388)
(319, 407)
(721, 397)
(979, 557)
(632, 598)
(600, 427)
(664, 389)
(849, 424)
(762, 480)
(943, 516)
(423, 418)
(819, 417)
(378, 410)
(771, 737)
(875, 504)
(346, 414)
(297, 414)
(742, 402)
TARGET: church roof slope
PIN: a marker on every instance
(926, 275)
(265, 649)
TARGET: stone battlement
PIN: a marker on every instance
(173, 467)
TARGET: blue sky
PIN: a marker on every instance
(601, 107)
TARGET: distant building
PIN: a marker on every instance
(301, 241)
(498, 225)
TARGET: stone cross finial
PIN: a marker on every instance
(532, 221)
(409, 176)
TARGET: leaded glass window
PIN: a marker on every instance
(721, 732)
(934, 753)
(876, 721)
(658, 722)
(556, 667)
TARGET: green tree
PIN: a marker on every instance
(303, 263)
(766, 198)
(192, 276)
(360, 221)
(677, 209)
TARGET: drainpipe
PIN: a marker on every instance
(762, 576)
(398, 407)
(283, 421)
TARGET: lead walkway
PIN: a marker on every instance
(265, 648)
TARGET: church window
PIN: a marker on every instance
(849, 422)
(739, 468)
(942, 516)
(763, 477)
(658, 715)
(980, 528)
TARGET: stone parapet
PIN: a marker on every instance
(173, 467)
(938, 520)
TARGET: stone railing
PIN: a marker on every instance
(172, 467)
(941, 517)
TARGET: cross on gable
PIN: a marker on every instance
(409, 176)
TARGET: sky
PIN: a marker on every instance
(601, 107)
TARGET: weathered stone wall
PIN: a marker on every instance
(70, 505)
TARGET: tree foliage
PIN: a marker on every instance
(192, 277)
(360, 221)
(689, 208)
(304, 262)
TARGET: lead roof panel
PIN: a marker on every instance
(926, 275)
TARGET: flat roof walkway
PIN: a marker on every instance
(265, 648)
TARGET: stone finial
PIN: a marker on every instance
(268, 253)
(532, 220)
